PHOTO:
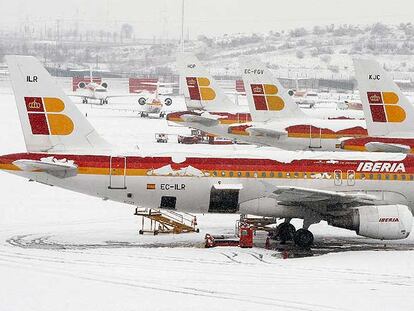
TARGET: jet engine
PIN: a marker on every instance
(142, 101)
(168, 101)
(385, 222)
(81, 85)
(104, 84)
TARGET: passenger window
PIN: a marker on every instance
(395, 177)
(247, 174)
(387, 177)
(362, 176)
(215, 173)
(223, 173)
(288, 175)
(272, 174)
(231, 174)
(255, 175)
(403, 177)
(411, 177)
(296, 175)
(280, 174)
(263, 174)
(379, 176)
(371, 176)
(239, 174)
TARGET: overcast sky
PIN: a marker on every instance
(211, 17)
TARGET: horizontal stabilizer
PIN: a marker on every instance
(376, 146)
(204, 119)
(256, 131)
(57, 169)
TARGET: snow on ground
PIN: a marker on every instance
(61, 250)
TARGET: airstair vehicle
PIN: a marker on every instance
(166, 221)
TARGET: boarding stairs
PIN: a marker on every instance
(163, 221)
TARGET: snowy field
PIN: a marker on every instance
(65, 251)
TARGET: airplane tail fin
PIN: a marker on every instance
(387, 110)
(49, 120)
(268, 100)
(201, 90)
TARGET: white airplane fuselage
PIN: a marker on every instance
(144, 181)
(312, 134)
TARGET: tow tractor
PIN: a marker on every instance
(245, 239)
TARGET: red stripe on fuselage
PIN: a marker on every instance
(211, 164)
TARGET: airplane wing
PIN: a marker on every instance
(257, 131)
(206, 120)
(292, 195)
(81, 96)
(57, 169)
(122, 95)
(376, 146)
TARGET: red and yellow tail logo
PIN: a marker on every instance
(45, 117)
(199, 89)
(384, 107)
(265, 97)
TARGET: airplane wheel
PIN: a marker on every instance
(286, 232)
(162, 115)
(141, 232)
(84, 101)
(303, 238)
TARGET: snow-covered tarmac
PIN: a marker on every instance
(65, 251)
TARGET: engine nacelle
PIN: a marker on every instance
(168, 101)
(81, 85)
(384, 222)
(104, 84)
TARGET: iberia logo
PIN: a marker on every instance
(265, 97)
(384, 107)
(45, 117)
(199, 89)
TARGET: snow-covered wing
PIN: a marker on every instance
(122, 95)
(307, 196)
(81, 96)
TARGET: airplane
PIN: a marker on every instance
(96, 91)
(276, 120)
(388, 112)
(151, 100)
(369, 193)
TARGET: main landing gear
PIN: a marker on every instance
(286, 232)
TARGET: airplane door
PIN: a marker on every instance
(242, 118)
(315, 137)
(338, 177)
(224, 200)
(350, 177)
(117, 173)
